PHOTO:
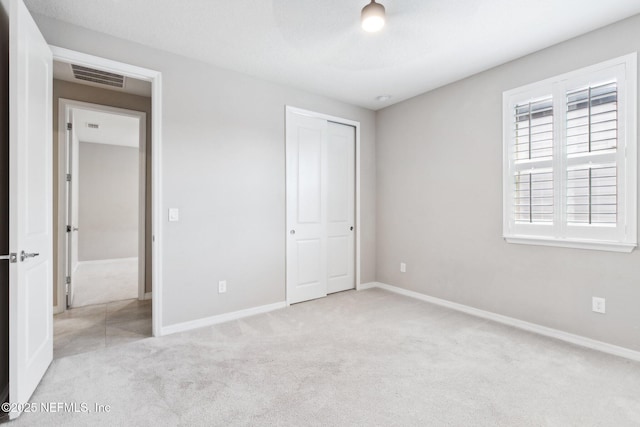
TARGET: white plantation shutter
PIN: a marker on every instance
(532, 150)
(570, 159)
(592, 128)
(592, 195)
(533, 197)
(592, 119)
(534, 130)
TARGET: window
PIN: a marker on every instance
(570, 159)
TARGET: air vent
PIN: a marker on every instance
(93, 125)
(97, 76)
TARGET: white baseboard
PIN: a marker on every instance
(227, 317)
(60, 308)
(368, 285)
(520, 324)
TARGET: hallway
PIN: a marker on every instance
(101, 282)
(95, 327)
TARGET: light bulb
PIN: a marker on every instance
(373, 16)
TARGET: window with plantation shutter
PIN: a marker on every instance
(570, 159)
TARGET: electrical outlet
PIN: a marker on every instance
(222, 286)
(403, 267)
(598, 305)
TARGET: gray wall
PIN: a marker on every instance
(107, 202)
(4, 203)
(223, 167)
(439, 205)
(84, 93)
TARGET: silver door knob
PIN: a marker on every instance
(75, 228)
(292, 232)
(24, 255)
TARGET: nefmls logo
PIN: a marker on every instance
(64, 407)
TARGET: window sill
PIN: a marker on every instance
(572, 243)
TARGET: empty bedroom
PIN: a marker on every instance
(340, 213)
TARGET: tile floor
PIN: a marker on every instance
(95, 327)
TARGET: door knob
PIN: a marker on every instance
(351, 228)
(75, 228)
(292, 232)
(24, 255)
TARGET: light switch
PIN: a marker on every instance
(174, 215)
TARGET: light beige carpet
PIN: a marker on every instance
(367, 358)
(105, 281)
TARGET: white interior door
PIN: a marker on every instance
(341, 187)
(30, 209)
(306, 208)
(320, 207)
(75, 211)
(73, 155)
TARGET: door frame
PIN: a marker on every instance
(155, 77)
(342, 121)
(65, 106)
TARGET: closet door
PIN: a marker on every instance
(341, 185)
(320, 207)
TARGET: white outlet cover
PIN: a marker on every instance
(598, 305)
(174, 215)
(403, 267)
(222, 286)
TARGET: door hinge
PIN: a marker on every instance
(68, 177)
(66, 285)
(69, 126)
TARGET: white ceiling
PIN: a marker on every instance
(114, 129)
(318, 45)
(62, 71)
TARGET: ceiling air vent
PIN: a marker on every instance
(93, 125)
(97, 76)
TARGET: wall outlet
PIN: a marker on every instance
(174, 215)
(222, 286)
(403, 267)
(598, 305)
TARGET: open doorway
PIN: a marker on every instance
(103, 209)
(105, 192)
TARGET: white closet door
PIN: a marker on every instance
(306, 208)
(320, 207)
(341, 151)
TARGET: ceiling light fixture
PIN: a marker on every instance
(373, 17)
